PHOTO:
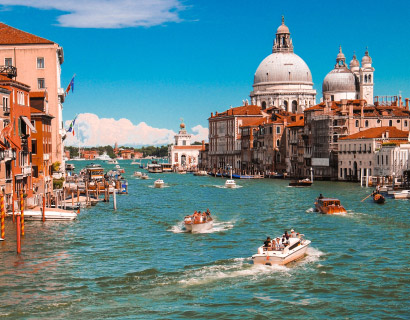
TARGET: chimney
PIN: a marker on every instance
(400, 102)
(407, 103)
(212, 114)
(203, 144)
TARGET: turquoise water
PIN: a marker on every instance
(137, 263)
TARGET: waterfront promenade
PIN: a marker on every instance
(137, 263)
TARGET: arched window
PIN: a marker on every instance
(365, 79)
(334, 136)
(277, 143)
(370, 78)
(405, 123)
(390, 123)
(357, 123)
(285, 103)
(366, 123)
(294, 106)
(263, 105)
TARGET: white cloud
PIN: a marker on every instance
(108, 13)
(90, 130)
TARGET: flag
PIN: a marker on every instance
(70, 86)
(71, 128)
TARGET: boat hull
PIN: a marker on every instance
(50, 214)
(278, 258)
(158, 185)
(378, 198)
(198, 227)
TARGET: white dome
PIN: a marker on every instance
(340, 80)
(283, 67)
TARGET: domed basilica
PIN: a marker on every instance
(283, 79)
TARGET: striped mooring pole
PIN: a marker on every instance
(3, 213)
(22, 212)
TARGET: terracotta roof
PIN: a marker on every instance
(5, 79)
(252, 122)
(298, 123)
(378, 132)
(242, 110)
(38, 94)
(10, 35)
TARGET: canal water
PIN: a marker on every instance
(138, 263)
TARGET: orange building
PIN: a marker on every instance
(127, 153)
(41, 143)
(89, 154)
(18, 133)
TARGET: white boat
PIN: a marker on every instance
(230, 184)
(404, 194)
(154, 168)
(198, 222)
(103, 157)
(117, 166)
(296, 249)
(50, 214)
(137, 173)
(144, 176)
(200, 173)
(135, 162)
(112, 161)
(159, 183)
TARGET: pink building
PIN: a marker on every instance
(38, 62)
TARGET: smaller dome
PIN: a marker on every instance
(366, 58)
(283, 28)
(354, 62)
(340, 80)
(340, 55)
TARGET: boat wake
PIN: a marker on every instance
(218, 226)
(151, 186)
(310, 210)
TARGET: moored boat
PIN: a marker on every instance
(300, 183)
(329, 206)
(404, 194)
(159, 183)
(281, 253)
(198, 222)
(200, 173)
(230, 184)
(55, 214)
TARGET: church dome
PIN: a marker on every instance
(354, 63)
(366, 60)
(283, 67)
(340, 80)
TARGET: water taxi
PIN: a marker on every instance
(329, 206)
(198, 222)
(159, 183)
(154, 168)
(300, 183)
(166, 167)
(230, 184)
(282, 253)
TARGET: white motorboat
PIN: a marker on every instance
(295, 250)
(103, 157)
(198, 222)
(404, 194)
(50, 214)
(137, 173)
(230, 184)
(159, 183)
(200, 173)
(144, 176)
(112, 161)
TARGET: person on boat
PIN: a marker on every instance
(278, 246)
(286, 235)
(208, 213)
(320, 196)
(267, 244)
(378, 189)
(292, 233)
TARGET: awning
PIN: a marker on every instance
(28, 123)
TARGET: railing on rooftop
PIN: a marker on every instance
(9, 71)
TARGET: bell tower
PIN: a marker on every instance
(366, 78)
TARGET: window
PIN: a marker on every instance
(357, 123)
(8, 62)
(390, 123)
(277, 143)
(40, 63)
(41, 83)
(33, 146)
(332, 98)
(366, 123)
(270, 130)
(405, 123)
(184, 142)
(6, 104)
(33, 122)
(278, 130)
(398, 121)
(35, 171)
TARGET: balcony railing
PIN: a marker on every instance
(10, 71)
(26, 170)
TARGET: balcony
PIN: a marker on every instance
(9, 71)
(26, 170)
(46, 156)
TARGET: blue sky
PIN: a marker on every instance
(157, 61)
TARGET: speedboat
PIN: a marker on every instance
(300, 183)
(378, 198)
(294, 250)
(329, 206)
(144, 176)
(198, 222)
(404, 194)
(137, 173)
(50, 214)
(230, 184)
(159, 183)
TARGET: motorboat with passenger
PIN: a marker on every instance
(300, 183)
(281, 253)
(198, 222)
(230, 184)
(329, 206)
(137, 173)
(159, 183)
